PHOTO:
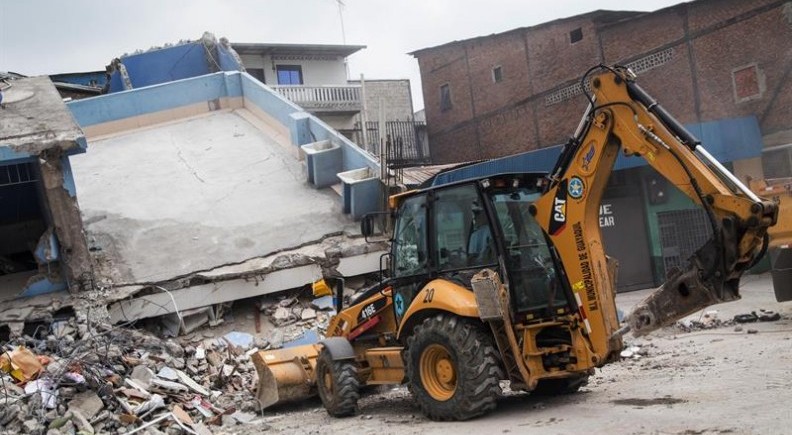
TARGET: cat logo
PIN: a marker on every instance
(559, 210)
(559, 213)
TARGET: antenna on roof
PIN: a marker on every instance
(341, 7)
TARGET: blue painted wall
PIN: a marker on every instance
(171, 64)
(304, 127)
(9, 155)
(161, 66)
(121, 105)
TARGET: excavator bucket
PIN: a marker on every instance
(285, 375)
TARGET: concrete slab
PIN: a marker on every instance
(33, 118)
(195, 194)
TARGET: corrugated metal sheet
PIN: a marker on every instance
(726, 139)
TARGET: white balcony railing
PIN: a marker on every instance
(323, 98)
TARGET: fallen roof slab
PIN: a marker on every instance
(195, 194)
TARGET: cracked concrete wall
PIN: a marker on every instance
(65, 213)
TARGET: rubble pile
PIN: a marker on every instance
(297, 320)
(76, 376)
(636, 350)
(708, 320)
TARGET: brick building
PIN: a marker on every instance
(722, 67)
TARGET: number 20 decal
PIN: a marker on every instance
(429, 296)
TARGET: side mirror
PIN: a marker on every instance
(367, 225)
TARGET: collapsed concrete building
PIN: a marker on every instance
(216, 189)
(197, 192)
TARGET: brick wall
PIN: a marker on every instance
(704, 60)
(394, 97)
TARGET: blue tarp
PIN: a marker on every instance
(727, 140)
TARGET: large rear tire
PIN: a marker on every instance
(452, 368)
(338, 385)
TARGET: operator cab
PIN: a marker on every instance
(454, 231)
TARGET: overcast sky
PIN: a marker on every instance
(56, 36)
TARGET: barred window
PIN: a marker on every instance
(445, 98)
(497, 74)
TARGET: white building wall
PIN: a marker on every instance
(316, 70)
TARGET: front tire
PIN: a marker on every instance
(338, 385)
(453, 369)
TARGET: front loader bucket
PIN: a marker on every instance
(285, 375)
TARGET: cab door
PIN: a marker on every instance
(410, 253)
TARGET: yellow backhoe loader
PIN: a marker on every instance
(506, 278)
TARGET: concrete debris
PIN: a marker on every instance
(308, 314)
(281, 315)
(168, 374)
(142, 374)
(89, 377)
(708, 320)
(239, 339)
(636, 350)
(87, 404)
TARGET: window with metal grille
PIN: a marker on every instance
(258, 73)
(682, 233)
(17, 174)
(777, 163)
(445, 98)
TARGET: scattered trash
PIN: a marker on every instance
(323, 303)
(21, 363)
(746, 318)
(46, 389)
(768, 316)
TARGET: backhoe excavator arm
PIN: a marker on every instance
(623, 117)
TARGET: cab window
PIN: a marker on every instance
(409, 241)
(463, 234)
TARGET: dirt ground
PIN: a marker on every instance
(730, 379)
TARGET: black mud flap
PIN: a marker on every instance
(781, 261)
